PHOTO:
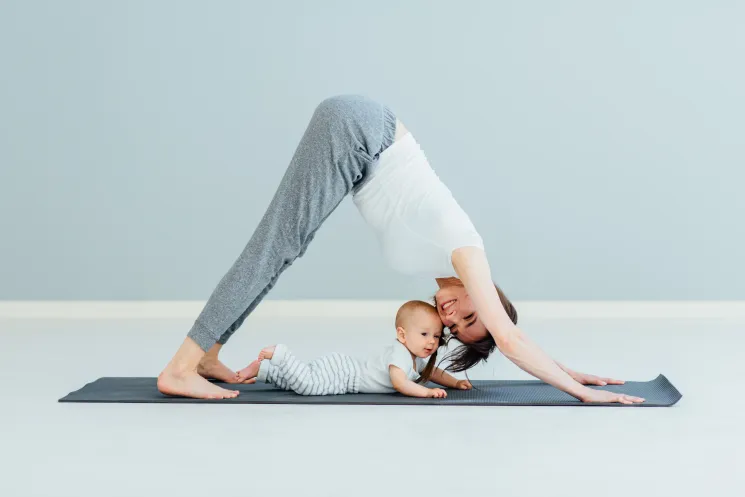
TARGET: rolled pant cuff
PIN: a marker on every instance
(264, 367)
(279, 355)
(202, 336)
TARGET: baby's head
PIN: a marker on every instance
(419, 328)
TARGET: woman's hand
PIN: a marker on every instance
(437, 393)
(593, 395)
(589, 379)
(463, 385)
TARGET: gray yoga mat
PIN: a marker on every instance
(658, 393)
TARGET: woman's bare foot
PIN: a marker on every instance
(248, 373)
(191, 384)
(212, 368)
(267, 353)
(180, 377)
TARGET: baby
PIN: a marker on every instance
(399, 367)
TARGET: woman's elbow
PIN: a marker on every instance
(507, 339)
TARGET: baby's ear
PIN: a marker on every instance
(401, 335)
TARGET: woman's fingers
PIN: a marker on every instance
(595, 380)
(596, 395)
(629, 399)
(590, 379)
(611, 381)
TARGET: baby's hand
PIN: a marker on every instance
(463, 385)
(437, 393)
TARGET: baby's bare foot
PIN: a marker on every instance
(267, 353)
(248, 373)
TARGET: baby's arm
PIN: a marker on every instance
(407, 387)
(446, 380)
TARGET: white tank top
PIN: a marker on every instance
(416, 218)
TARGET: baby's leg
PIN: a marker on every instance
(330, 375)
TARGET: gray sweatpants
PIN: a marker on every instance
(344, 138)
(333, 374)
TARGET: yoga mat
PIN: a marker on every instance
(658, 393)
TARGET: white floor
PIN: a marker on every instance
(53, 449)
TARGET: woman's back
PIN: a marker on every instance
(414, 214)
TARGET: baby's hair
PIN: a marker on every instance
(410, 308)
(404, 314)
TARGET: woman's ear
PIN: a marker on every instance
(401, 335)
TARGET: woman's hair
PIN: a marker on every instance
(426, 373)
(469, 354)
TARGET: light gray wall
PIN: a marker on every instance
(598, 146)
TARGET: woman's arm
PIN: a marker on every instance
(589, 379)
(473, 270)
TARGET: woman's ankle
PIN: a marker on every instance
(187, 358)
(212, 353)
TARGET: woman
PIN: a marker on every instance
(355, 145)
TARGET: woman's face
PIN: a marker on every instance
(458, 314)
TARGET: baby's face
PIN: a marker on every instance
(423, 333)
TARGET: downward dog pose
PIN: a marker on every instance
(354, 145)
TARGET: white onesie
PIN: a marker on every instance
(375, 374)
